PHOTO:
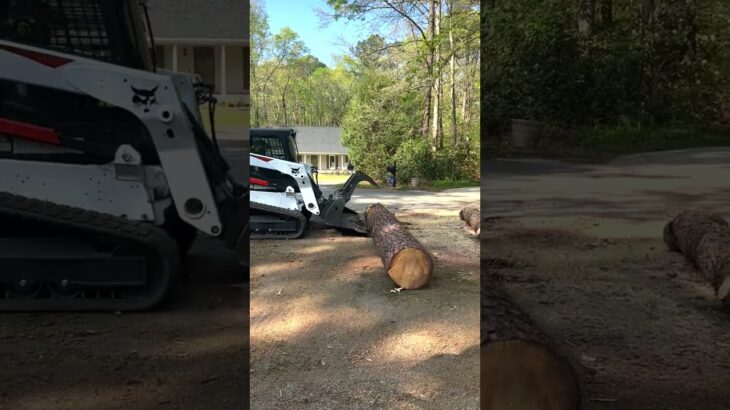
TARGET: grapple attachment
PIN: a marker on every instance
(334, 212)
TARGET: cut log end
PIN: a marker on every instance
(669, 239)
(405, 259)
(521, 367)
(520, 375)
(723, 292)
(704, 238)
(472, 216)
(410, 268)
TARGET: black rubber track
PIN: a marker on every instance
(283, 213)
(94, 223)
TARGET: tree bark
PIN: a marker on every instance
(452, 64)
(647, 11)
(472, 216)
(690, 21)
(586, 16)
(436, 128)
(406, 260)
(426, 124)
(606, 13)
(520, 366)
(704, 239)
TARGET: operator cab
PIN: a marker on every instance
(106, 30)
(279, 143)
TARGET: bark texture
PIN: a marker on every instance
(472, 216)
(704, 239)
(521, 368)
(406, 260)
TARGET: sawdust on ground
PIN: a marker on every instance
(649, 333)
(329, 330)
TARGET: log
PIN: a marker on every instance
(704, 239)
(472, 216)
(521, 368)
(406, 260)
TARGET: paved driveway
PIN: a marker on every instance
(636, 193)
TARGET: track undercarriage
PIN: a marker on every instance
(269, 221)
(57, 257)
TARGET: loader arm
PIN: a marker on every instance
(152, 98)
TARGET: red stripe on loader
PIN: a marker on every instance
(45, 59)
(256, 181)
(29, 131)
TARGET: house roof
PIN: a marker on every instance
(198, 20)
(319, 140)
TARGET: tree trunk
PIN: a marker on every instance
(520, 366)
(606, 13)
(426, 124)
(690, 21)
(283, 105)
(704, 239)
(586, 16)
(465, 97)
(406, 260)
(436, 127)
(472, 216)
(263, 104)
(647, 11)
(452, 63)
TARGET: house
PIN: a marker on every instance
(209, 38)
(321, 147)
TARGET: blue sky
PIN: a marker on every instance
(301, 16)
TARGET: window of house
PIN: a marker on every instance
(333, 162)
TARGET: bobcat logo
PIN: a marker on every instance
(146, 98)
(295, 170)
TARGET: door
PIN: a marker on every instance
(204, 65)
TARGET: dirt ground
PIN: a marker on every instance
(189, 354)
(329, 331)
(580, 248)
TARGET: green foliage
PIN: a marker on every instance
(381, 116)
(415, 159)
(291, 87)
(377, 92)
(534, 69)
(537, 64)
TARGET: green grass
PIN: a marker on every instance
(226, 118)
(602, 144)
(332, 179)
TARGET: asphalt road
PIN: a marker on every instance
(586, 259)
(637, 192)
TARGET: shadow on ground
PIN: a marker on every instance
(188, 354)
(327, 330)
(582, 252)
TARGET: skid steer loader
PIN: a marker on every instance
(284, 196)
(106, 173)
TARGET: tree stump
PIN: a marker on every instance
(704, 239)
(472, 216)
(520, 366)
(406, 260)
